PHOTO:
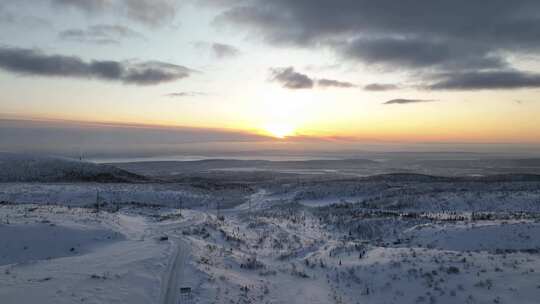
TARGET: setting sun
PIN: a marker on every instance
(279, 130)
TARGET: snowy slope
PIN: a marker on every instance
(491, 236)
(25, 243)
(117, 258)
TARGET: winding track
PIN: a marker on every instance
(176, 269)
(176, 274)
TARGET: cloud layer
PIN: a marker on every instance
(185, 94)
(148, 12)
(426, 36)
(380, 87)
(222, 50)
(407, 101)
(69, 137)
(487, 80)
(32, 62)
(99, 34)
(291, 79)
(325, 83)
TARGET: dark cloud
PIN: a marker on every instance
(303, 21)
(427, 35)
(149, 12)
(32, 62)
(9, 17)
(100, 34)
(407, 101)
(217, 50)
(185, 94)
(419, 53)
(86, 5)
(380, 87)
(291, 79)
(334, 83)
(487, 80)
(221, 50)
(154, 72)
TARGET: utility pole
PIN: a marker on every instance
(97, 201)
(249, 212)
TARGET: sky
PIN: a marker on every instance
(339, 72)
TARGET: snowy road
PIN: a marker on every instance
(176, 274)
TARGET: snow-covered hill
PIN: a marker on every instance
(31, 168)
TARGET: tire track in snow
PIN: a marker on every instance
(176, 274)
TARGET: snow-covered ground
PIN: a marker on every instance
(86, 194)
(302, 239)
